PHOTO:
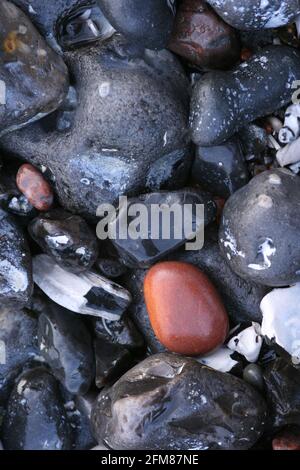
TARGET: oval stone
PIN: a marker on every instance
(185, 309)
(34, 186)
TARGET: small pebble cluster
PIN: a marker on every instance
(124, 343)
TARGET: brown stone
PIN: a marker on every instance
(185, 309)
(287, 439)
(201, 37)
(34, 186)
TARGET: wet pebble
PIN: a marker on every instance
(33, 79)
(224, 102)
(220, 169)
(34, 186)
(173, 287)
(151, 244)
(35, 417)
(67, 238)
(207, 409)
(18, 346)
(15, 263)
(66, 345)
(259, 229)
(256, 14)
(112, 360)
(202, 38)
(287, 439)
(253, 374)
(149, 28)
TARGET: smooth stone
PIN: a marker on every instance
(35, 417)
(259, 229)
(122, 332)
(221, 169)
(67, 238)
(241, 298)
(112, 360)
(282, 382)
(254, 141)
(224, 102)
(85, 293)
(245, 15)
(289, 154)
(185, 309)
(33, 79)
(283, 329)
(143, 252)
(248, 342)
(207, 409)
(33, 185)
(102, 160)
(15, 263)
(66, 345)
(253, 374)
(203, 38)
(147, 24)
(287, 439)
(60, 23)
(18, 346)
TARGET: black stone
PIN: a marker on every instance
(112, 360)
(35, 417)
(111, 268)
(18, 346)
(282, 382)
(146, 251)
(101, 158)
(254, 140)
(146, 24)
(224, 102)
(174, 403)
(220, 169)
(33, 79)
(66, 345)
(15, 263)
(67, 238)
(259, 232)
(122, 332)
(255, 15)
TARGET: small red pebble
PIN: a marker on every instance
(245, 54)
(288, 439)
(185, 310)
(34, 186)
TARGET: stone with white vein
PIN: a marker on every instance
(247, 343)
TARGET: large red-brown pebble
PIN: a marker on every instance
(185, 310)
(287, 439)
(34, 186)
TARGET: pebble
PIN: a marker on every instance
(257, 222)
(122, 332)
(257, 14)
(67, 238)
(220, 360)
(220, 169)
(173, 287)
(15, 263)
(152, 244)
(97, 170)
(35, 417)
(282, 382)
(86, 293)
(34, 186)
(18, 346)
(112, 360)
(202, 38)
(133, 415)
(111, 268)
(253, 374)
(224, 102)
(66, 345)
(289, 154)
(287, 439)
(283, 329)
(33, 79)
(149, 30)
